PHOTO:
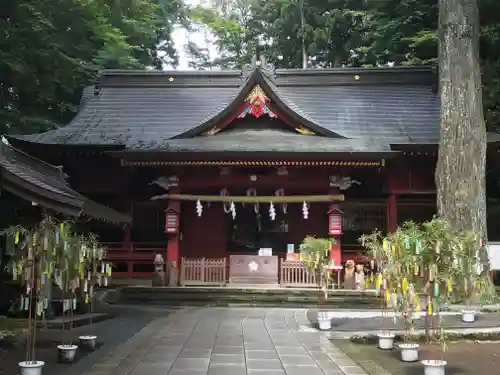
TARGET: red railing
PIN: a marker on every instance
(134, 260)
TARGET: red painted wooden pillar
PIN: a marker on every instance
(392, 213)
(173, 246)
(335, 251)
(129, 248)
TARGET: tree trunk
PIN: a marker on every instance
(460, 172)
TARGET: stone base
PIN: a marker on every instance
(158, 279)
(173, 274)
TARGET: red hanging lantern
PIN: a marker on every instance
(171, 221)
(335, 222)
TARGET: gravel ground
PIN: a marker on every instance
(464, 358)
(111, 333)
(487, 320)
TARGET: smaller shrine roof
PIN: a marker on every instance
(46, 185)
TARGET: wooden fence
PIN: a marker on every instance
(203, 271)
(294, 273)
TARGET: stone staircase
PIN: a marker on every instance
(243, 296)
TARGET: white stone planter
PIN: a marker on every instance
(31, 367)
(468, 316)
(409, 352)
(324, 321)
(87, 342)
(66, 353)
(434, 367)
(385, 340)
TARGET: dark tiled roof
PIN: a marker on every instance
(46, 185)
(269, 140)
(145, 110)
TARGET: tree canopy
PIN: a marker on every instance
(340, 33)
(51, 49)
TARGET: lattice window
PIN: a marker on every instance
(418, 213)
(364, 219)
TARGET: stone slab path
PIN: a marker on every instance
(225, 341)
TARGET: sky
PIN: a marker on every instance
(181, 37)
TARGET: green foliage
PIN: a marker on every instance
(431, 259)
(51, 49)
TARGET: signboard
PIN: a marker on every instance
(172, 222)
(265, 252)
(494, 255)
(335, 223)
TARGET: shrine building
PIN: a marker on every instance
(216, 168)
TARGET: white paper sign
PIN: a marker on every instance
(265, 252)
(494, 255)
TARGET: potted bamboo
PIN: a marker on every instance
(442, 252)
(32, 264)
(404, 272)
(378, 247)
(315, 254)
(95, 270)
(70, 263)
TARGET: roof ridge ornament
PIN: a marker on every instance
(258, 62)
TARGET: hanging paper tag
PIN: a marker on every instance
(14, 273)
(91, 291)
(74, 303)
(57, 239)
(429, 309)
(105, 281)
(39, 308)
(109, 270)
(86, 298)
(85, 286)
(387, 295)
(45, 303)
(385, 245)
(416, 303)
(436, 289)
(404, 285)
(378, 283)
(16, 239)
(418, 247)
(450, 286)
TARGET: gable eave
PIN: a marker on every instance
(231, 111)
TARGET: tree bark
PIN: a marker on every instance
(461, 166)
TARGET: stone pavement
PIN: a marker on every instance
(224, 341)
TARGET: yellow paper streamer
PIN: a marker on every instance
(16, 240)
(372, 278)
(387, 295)
(378, 283)
(86, 298)
(109, 270)
(404, 285)
(429, 309)
(416, 303)
(450, 286)
(367, 284)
